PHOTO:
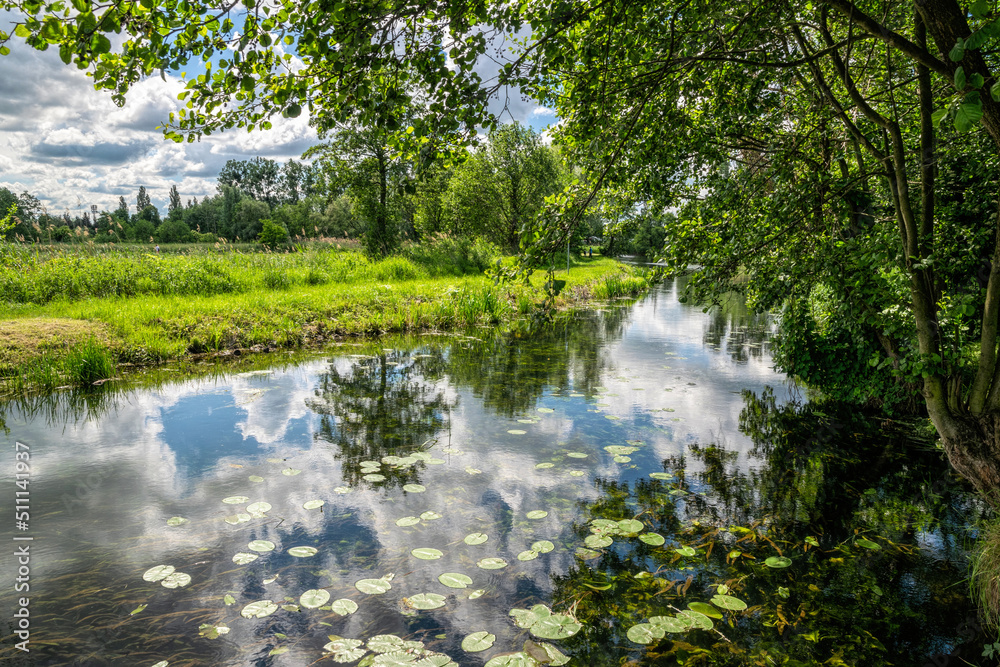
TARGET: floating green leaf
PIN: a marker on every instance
(696, 619)
(311, 504)
(158, 573)
(242, 558)
(374, 586)
(161, 663)
(778, 561)
(259, 609)
(628, 526)
(342, 489)
(556, 626)
(576, 455)
(425, 601)
(314, 598)
(705, 608)
(228, 600)
(728, 602)
(279, 650)
(492, 563)
(653, 539)
(426, 553)
(291, 472)
(345, 650)
(258, 508)
(256, 478)
(612, 417)
(537, 514)
(261, 545)
(436, 462)
(598, 541)
(478, 641)
(516, 431)
(812, 540)
(476, 538)
(686, 551)
(527, 555)
(455, 580)
(176, 521)
(545, 654)
(545, 410)
(545, 465)
(344, 606)
(543, 546)
(644, 633)
(211, 631)
(303, 552)
(414, 488)
(868, 544)
(622, 459)
(519, 659)
(473, 471)
(660, 475)
(235, 500)
(576, 473)
(234, 519)
(137, 610)
(430, 515)
(620, 450)
(478, 593)
(176, 580)
(373, 477)
(669, 624)
(587, 554)
(408, 521)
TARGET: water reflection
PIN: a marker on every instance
(403, 444)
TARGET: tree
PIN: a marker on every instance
(259, 178)
(272, 234)
(502, 186)
(142, 199)
(175, 202)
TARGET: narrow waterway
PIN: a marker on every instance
(635, 484)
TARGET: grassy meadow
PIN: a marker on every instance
(81, 315)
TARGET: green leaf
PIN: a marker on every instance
(455, 579)
(868, 544)
(705, 608)
(968, 115)
(374, 586)
(976, 80)
(259, 609)
(344, 606)
(778, 562)
(314, 598)
(425, 601)
(427, 553)
(158, 573)
(478, 641)
(22, 30)
(958, 51)
(729, 602)
(644, 633)
(476, 538)
(960, 79)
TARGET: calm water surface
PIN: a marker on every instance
(845, 536)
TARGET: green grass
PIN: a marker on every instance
(149, 309)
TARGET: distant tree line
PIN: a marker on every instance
(355, 185)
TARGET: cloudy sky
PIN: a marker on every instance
(71, 147)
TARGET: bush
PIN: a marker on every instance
(444, 255)
(272, 234)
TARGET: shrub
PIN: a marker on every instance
(272, 234)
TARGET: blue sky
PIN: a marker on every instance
(71, 147)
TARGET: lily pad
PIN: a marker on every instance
(408, 521)
(373, 477)
(473, 471)
(228, 600)
(644, 633)
(492, 563)
(137, 610)
(303, 552)
(256, 478)
(426, 601)
(543, 546)
(670, 624)
(527, 555)
(455, 579)
(374, 586)
(344, 606)
(176, 521)
(238, 518)
(653, 539)
(545, 410)
(259, 609)
(630, 526)
(291, 472)
(242, 558)
(436, 462)
(696, 619)
(705, 608)
(345, 650)
(556, 626)
(430, 515)
(687, 551)
(158, 573)
(576, 455)
(478, 593)
(261, 545)
(314, 598)
(258, 508)
(661, 475)
(342, 489)
(312, 504)
(576, 473)
(545, 465)
(210, 631)
(622, 459)
(518, 659)
(426, 553)
(778, 561)
(414, 488)
(476, 538)
(235, 500)
(537, 514)
(587, 554)
(598, 541)
(546, 654)
(516, 431)
(729, 602)
(620, 450)
(478, 641)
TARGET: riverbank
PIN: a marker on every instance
(71, 320)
